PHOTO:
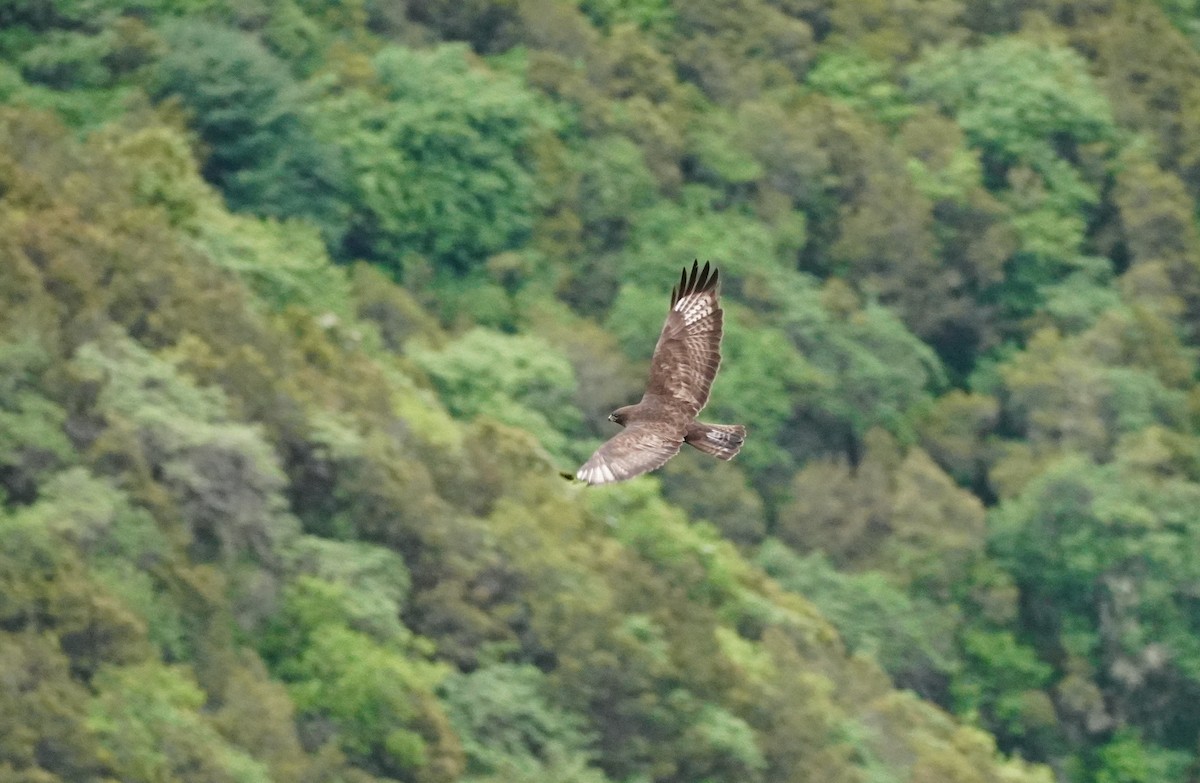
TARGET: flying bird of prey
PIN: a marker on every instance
(682, 369)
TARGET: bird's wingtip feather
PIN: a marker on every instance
(695, 281)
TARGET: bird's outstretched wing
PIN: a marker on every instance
(682, 369)
(688, 352)
(639, 448)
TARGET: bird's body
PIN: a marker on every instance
(682, 369)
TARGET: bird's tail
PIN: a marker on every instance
(722, 441)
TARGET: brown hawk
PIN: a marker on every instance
(682, 369)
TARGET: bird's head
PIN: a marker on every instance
(617, 416)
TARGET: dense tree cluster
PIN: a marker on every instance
(304, 305)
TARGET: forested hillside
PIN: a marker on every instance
(305, 305)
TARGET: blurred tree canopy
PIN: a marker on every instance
(305, 305)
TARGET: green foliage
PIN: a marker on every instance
(1020, 102)
(245, 106)
(872, 371)
(650, 15)
(162, 171)
(32, 442)
(913, 642)
(614, 186)
(953, 430)
(1101, 403)
(1085, 539)
(741, 245)
(123, 545)
(510, 728)
(958, 247)
(284, 263)
(367, 586)
(723, 498)
(716, 158)
(148, 721)
(1159, 232)
(1128, 759)
(763, 377)
(1036, 116)
(893, 511)
(46, 587)
(889, 371)
(368, 693)
(375, 693)
(720, 745)
(862, 83)
(437, 162)
(44, 731)
(66, 60)
(1002, 682)
(223, 476)
(518, 380)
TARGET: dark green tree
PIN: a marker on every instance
(436, 149)
(258, 145)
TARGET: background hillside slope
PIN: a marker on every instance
(304, 305)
